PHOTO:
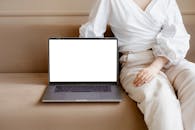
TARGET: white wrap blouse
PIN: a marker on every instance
(159, 27)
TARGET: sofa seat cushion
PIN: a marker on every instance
(22, 109)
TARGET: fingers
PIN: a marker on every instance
(143, 77)
(142, 80)
(140, 76)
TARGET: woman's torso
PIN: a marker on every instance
(135, 28)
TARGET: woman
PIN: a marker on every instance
(154, 42)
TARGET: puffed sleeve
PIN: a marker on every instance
(173, 39)
(98, 19)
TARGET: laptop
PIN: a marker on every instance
(82, 70)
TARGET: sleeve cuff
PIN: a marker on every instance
(158, 51)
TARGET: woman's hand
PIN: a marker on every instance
(148, 73)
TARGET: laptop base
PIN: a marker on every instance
(51, 95)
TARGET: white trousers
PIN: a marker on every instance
(168, 101)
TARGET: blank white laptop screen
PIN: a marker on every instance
(83, 60)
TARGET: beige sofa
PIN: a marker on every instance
(23, 79)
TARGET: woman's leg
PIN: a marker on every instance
(182, 77)
(156, 100)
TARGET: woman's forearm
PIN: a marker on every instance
(159, 62)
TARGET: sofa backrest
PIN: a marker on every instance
(24, 47)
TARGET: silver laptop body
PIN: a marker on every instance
(82, 70)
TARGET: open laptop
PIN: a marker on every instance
(82, 70)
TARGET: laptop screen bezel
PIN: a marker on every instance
(77, 38)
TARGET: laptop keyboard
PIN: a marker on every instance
(83, 88)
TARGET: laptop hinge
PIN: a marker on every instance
(84, 83)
